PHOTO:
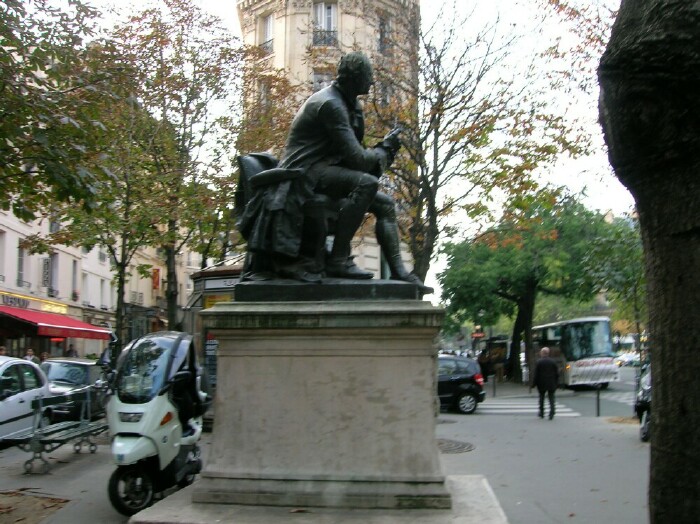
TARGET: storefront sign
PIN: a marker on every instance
(23, 302)
(217, 283)
(10, 300)
(210, 300)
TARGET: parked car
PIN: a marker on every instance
(460, 383)
(69, 374)
(21, 381)
(627, 359)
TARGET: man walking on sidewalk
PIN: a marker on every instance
(546, 379)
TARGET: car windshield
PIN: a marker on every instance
(67, 372)
(141, 373)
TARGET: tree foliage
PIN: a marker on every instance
(126, 215)
(48, 89)
(532, 251)
(615, 266)
(188, 67)
(477, 127)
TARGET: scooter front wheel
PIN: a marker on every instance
(130, 490)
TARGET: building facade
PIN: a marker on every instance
(65, 298)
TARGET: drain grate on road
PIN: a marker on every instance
(448, 446)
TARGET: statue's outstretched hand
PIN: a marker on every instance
(392, 140)
(390, 146)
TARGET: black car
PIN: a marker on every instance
(70, 374)
(460, 383)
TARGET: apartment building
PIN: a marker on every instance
(67, 297)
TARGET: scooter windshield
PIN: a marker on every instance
(142, 373)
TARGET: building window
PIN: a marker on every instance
(86, 290)
(384, 95)
(325, 24)
(53, 275)
(321, 79)
(2, 256)
(74, 277)
(21, 269)
(267, 35)
(103, 296)
(384, 43)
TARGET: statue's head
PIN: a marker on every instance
(355, 73)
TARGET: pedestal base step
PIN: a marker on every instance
(473, 502)
(323, 493)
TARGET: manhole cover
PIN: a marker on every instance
(454, 446)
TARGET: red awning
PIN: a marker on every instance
(50, 325)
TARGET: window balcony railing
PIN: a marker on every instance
(52, 292)
(267, 47)
(2, 278)
(325, 38)
(23, 283)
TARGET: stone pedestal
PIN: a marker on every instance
(324, 404)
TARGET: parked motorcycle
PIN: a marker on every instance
(642, 405)
(155, 418)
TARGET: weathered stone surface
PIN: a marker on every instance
(325, 404)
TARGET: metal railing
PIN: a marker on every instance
(325, 38)
(267, 47)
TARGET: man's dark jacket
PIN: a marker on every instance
(546, 376)
(327, 130)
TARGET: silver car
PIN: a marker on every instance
(21, 381)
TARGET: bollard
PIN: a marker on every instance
(493, 378)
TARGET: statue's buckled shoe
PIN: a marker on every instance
(346, 268)
(413, 279)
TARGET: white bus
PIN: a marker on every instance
(584, 349)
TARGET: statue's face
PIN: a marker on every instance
(365, 80)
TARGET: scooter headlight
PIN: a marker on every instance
(130, 417)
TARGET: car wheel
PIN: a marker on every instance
(466, 403)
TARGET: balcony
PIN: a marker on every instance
(23, 283)
(267, 47)
(325, 38)
(52, 292)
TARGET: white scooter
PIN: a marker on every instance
(155, 419)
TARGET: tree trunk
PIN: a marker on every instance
(527, 305)
(515, 372)
(650, 111)
(172, 283)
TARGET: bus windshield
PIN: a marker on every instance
(586, 339)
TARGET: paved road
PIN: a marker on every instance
(577, 468)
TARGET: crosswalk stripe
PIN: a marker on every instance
(515, 407)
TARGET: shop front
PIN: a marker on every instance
(46, 326)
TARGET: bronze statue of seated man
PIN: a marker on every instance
(324, 155)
